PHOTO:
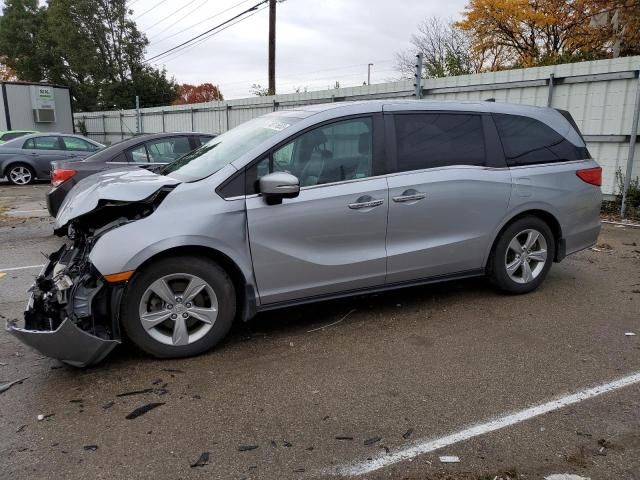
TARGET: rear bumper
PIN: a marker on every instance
(55, 196)
(67, 343)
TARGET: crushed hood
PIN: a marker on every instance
(125, 185)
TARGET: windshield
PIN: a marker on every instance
(226, 148)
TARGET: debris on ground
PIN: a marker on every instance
(135, 392)
(246, 448)
(407, 434)
(172, 370)
(629, 334)
(202, 460)
(20, 428)
(144, 409)
(565, 476)
(449, 459)
(334, 323)
(90, 448)
(76, 400)
(6, 386)
(108, 405)
(343, 437)
(604, 246)
(287, 444)
(372, 440)
(44, 417)
(299, 470)
(157, 382)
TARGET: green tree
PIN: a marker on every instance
(20, 41)
(90, 45)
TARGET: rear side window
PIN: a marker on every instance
(428, 140)
(167, 150)
(12, 135)
(528, 141)
(77, 144)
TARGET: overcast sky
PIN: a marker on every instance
(318, 42)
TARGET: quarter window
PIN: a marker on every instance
(167, 150)
(77, 144)
(528, 141)
(333, 153)
(428, 140)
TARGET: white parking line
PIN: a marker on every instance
(40, 210)
(12, 269)
(430, 445)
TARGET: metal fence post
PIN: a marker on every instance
(104, 127)
(632, 149)
(550, 93)
(228, 107)
(138, 116)
(192, 126)
(275, 106)
(162, 112)
(121, 127)
(418, 76)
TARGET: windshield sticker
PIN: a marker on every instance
(277, 126)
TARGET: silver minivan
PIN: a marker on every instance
(313, 203)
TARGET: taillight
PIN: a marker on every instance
(591, 175)
(61, 175)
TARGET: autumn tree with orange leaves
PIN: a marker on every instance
(205, 92)
(524, 33)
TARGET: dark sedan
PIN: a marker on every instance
(146, 151)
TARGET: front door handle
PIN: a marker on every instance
(410, 195)
(365, 201)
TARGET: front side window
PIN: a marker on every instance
(429, 140)
(227, 148)
(43, 143)
(167, 150)
(528, 141)
(333, 153)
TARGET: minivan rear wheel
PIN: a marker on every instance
(178, 307)
(522, 256)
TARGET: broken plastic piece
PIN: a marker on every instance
(629, 334)
(246, 448)
(202, 460)
(449, 459)
(6, 386)
(144, 409)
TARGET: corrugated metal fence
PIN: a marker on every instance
(600, 95)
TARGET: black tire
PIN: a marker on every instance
(203, 268)
(497, 266)
(13, 166)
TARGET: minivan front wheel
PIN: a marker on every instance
(523, 256)
(179, 307)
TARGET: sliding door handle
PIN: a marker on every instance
(365, 201)
(410, 195)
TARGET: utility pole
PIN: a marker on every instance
(369, 73)
(272, 47)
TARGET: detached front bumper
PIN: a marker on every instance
(67, 343)
(79, 330)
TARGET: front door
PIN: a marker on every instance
(331, 238)
(447, 198)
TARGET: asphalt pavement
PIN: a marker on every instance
(378, 386)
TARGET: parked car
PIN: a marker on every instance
(304, 205)
(29, 157)
(11, 134)
(147, 151)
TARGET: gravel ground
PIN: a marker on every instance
(400, 368)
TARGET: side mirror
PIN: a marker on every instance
(278, 185)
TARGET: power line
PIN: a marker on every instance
(254, 7)
(183, 50)
(149, 10)
(201, 21)
(170, 15)
(176, 22)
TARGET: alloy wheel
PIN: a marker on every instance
(526, 256)
(178, 309)
(20, 175)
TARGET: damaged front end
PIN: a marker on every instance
(72, 311)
